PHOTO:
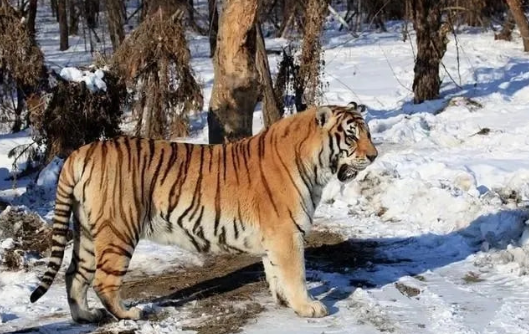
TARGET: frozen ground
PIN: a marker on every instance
(442, 211)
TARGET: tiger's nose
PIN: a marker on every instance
(372, 157)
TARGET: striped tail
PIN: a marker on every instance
(61, 218)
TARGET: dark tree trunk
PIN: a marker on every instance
(521, 21)
(32, 15)
(191, 11)
(74, 18)
(91, 8)
(431, 47)
(17, 124)
(213, 26)
(116, 20)
(271, 108)
(236, 86)
(54, 9)
(63, 24)
(289, 11)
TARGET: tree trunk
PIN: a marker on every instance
(54, 9)
(63, 24)
(17, 124)
(289, 10)
(213, 26)
(32, 15)
(116, 20)
(91, 8)
(310, 60)
(431, 46)
(521, 21)
(236, 85)
(506, 31)
(74, 18)
(271, 108)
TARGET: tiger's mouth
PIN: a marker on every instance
(347, 173)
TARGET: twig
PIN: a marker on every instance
(392, 70)
(342, 21)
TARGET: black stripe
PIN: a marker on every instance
(234, 162)
(199, 220)
(224, 157)
(117, 250)
(267, 188)
(210, 157)
(170, 163)
(57, 254)
(296, 224)
(217, 199)
(245, 159)
(235, 229)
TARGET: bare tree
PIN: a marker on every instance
(91, 8)
(431, 47)
(116, 20)
(32, 15)
(236, 85)
(521, 21)
(271, 108)
(506, 31)
(213, 26)
(63, 24)
(74, 17)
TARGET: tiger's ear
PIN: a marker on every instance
(362, 109)
(352, 105)
(323, 114)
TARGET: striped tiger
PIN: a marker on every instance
(256, 196)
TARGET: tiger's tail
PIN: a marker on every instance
(61, 218)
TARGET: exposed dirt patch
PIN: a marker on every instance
(221, 294)
(406, 290)
(472, 277)
(226, 282)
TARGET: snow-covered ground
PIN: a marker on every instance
(446, 202)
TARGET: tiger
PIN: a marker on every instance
(256, 196)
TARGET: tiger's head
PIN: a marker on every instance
(349, 139)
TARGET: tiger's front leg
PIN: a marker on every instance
(286, 254)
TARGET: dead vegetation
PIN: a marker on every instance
(30, 234)
(72, 115)
(154, 63)
(225, 287)
(22, 69)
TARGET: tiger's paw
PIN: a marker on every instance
(133, 313)
(312, 309)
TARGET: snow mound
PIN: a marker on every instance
(93, 80)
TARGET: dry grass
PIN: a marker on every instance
(154, 62)
(31, 236)
(22, 67)
(20, 56)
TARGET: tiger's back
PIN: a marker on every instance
(257, 195)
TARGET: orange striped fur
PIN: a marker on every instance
(254, 196)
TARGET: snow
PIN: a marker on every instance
(93, 80)
(445, 198)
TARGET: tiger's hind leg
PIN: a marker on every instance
(113, 251)
(80, 274)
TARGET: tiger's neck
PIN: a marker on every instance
(297, 144)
